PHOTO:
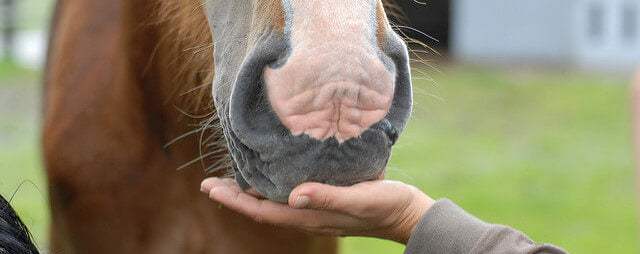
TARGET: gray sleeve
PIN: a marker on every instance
(448, 229)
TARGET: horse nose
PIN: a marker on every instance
(334, 81)
(330, 91)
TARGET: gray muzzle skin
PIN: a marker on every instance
(270, 159)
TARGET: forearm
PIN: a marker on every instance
(447, 228)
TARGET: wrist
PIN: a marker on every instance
(413, 213)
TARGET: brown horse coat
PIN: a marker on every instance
(109, 110)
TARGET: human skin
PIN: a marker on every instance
(382, 209)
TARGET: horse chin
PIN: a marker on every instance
(275, 171)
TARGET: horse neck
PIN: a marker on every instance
(112, 87)
(169, 50)
(129, 64)
(178, 49)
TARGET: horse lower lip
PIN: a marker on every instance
(301, 159)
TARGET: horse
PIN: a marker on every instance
(272, 93)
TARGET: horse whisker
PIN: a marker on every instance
(191, 162)
(175, 140)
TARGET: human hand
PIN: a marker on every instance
(382, 209)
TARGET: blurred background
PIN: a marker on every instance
(522, 116)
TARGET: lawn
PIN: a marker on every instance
(547, 152)
(544, 151)
(20, 162)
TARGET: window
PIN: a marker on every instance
(595, 21)
(629, 22)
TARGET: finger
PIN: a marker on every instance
(213, 182)
(232, 184)
(262, 211)
(350, 200)
(320, 196)
(255, 193)
(210, 183)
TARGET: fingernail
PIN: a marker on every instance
(207, 184)
(301, 202)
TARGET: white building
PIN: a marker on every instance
(597, 34)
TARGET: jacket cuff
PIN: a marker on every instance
(446, 228)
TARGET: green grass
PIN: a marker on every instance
(19, 152)
(549, 153)
(10, 71)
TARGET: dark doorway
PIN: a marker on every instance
(431, 17)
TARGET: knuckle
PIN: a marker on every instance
(257, 217)
(212, 193)
(325, 202)
(235, 197)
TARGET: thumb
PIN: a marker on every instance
(318, 196)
